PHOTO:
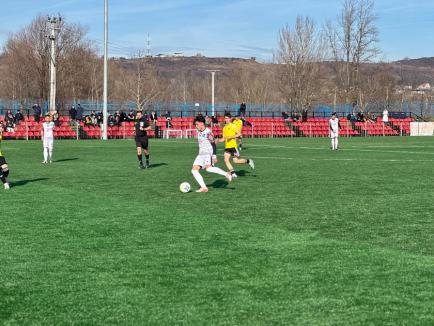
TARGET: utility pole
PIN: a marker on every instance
(54, 22)
(105, 113)
(212, 90)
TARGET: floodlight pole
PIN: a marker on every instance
(53, 21)
(105, 113)
(212, 91)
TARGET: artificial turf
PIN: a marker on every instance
(310, 237)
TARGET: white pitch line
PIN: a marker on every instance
(345, 149)
(333, 159)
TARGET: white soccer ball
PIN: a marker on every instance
(184, 187)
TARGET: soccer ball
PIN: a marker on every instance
(184, 187)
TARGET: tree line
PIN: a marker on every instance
(334, 63)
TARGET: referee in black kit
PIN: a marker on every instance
(142, 127)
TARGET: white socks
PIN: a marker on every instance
(46, 154)
(335, 143)
(198, 178)
(214, 169)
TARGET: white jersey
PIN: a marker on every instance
(334, 125)
(48, 130)
(205, 139)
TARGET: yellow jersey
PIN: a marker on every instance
(238, 124)
(230, 130)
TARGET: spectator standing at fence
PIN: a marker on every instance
(36, 112)
(131, 116)
(242, 110)
(79, 115)
(18, 117)
(55, 118)
(334, 126)
(48, 139)
(72, 113)
(304, 115)
(385, 116)
(153, 116)
(9, 121)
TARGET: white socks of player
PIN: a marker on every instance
(335, 143)
(198, 178)
(214, 169)
(46, 154)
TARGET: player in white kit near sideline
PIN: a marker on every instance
(334, 131)
(207, 155)
(48, 139)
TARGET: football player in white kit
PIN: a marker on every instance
(207, 154)
(334, 131)
(48, 139)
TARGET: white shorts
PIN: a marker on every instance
(203, 161)
(334, 134)
(48, 143)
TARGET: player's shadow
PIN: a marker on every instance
(244, 173)
(67, 159)
(221, 184)
(24, 182)
(157, 165)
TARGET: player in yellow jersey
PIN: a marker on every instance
(4, 169)
(239, 124)
(230, 135)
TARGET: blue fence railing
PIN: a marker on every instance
(190, 109)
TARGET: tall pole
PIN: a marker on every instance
(54, 28)
(212, 91)
(105, 113)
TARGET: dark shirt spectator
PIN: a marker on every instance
(79, 115)
(295, 116)
(36, 112)
(131, 116)
(153, 116)
(73, 113)
(56, 118)
(242, 110)
(304, 115)
(285, 115)
(18, 117)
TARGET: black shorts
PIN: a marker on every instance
(3, 161)
(142, 142)
(233, 151)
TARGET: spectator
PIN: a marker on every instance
(242, 110)
(117, 118)
(18, 117)
(385, 116)
(153, 116)
(169, 122)
(36, 112)
(295, 116)
(55, 117)
(9, 121)
(285, 115)
(99, 118)
(215, 120)
(73, 113)
(87, 121)
(131, 116)
(111, 121)
(304, 115)
(79, 115)
(93, 119)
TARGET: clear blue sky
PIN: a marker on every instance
(241, 28)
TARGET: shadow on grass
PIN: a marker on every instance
(221, 184)
(157, 165)
(67, 159)
(24, 182)
(243, 173)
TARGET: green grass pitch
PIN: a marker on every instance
(311, 237)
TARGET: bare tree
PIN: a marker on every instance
(353, 41)
(300, 53)
(27, 55)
